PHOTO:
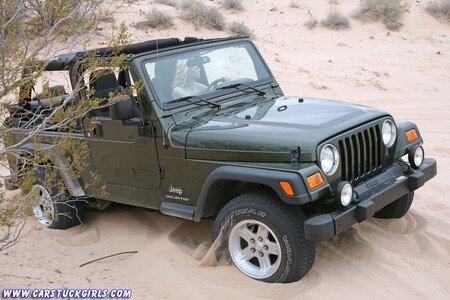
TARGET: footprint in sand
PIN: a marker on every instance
(78, 236)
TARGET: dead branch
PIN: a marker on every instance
(108, 256)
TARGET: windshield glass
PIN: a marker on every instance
(202, 71)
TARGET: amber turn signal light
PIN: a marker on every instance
(287, 188)
(411, 135)
(314, 180)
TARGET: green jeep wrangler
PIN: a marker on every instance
(211, 135)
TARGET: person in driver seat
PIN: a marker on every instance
(185, 82)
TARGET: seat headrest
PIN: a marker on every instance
(103, 79)
(103, 82)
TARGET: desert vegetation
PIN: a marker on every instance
(202, 15)
(199, 14)
(239, 28)
(173, 3)
(157, 19)
(439, 9)
(311, 23)
(233, 5)
(335, 20)
(33, 32)
(389, 12)
(294, 4)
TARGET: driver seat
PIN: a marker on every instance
(103, 83)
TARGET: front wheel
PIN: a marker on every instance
(396, 209)
(264, 238)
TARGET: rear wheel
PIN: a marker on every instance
(49, 209)
(396, 209)
(264, 238)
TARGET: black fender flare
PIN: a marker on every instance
(266, 177)
(72, 185)
(403, 146)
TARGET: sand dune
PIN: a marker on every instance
(400, 72)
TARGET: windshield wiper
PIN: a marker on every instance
(236, 85)
(188, 99)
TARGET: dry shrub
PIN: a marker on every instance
(185, 4)
(311, 23)
(389, 12)
(439, 9)
(239, 28)
(173, 3)
(104, 18)
(294, 4)
(233, 5)
(157, 19)
(335, 20)
(202, 15)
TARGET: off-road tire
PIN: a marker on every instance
(396, 209)
(297, 253)
(68, 213)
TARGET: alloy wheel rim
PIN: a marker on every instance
(254, 249)
(44, 209)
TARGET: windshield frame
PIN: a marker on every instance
(208, 96)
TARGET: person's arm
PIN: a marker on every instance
(178, 93)
(200, 87)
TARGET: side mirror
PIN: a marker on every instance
(121, 108)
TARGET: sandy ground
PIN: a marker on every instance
(406, 73)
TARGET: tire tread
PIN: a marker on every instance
(292, 215)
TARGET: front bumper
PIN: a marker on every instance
(373, 195)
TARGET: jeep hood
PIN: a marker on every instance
(268, 131)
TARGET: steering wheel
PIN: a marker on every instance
(215, 83)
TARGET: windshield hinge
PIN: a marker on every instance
(295, 155)
(150, 130)
(162, 173)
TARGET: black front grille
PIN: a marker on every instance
(361, 154)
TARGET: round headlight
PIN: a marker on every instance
(389, 132)
(416, 156)
(329, 159)
(344, 193)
